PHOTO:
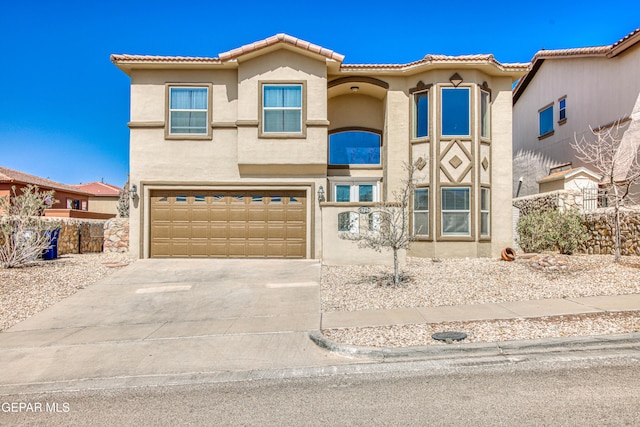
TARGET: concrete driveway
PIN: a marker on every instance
(172, 317)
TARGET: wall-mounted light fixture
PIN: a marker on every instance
(455, 79)
(355, 89)
(133, 192)
(321, 194)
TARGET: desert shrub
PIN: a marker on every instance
(551, 230)
(23, 230)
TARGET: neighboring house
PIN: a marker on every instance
(564, 93)
(104, 197)
(69, 201)
(66, 196)
(234, 156)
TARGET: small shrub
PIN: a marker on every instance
(23, 230)
(551, 230)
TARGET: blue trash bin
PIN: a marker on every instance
(52, 251)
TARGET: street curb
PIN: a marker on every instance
(502, 348)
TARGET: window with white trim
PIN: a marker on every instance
(485, 207)
(188, 110)
(421, 211)
(349, 191)
(282, 108)
(455, 211)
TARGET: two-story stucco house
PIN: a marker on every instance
(263, 150)
(564, 93)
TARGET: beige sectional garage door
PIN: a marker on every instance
(228, 224)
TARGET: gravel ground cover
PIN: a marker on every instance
(433, 282)
(28, 290)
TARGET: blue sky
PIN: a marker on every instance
(64, 105)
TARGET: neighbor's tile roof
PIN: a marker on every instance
(11, 176)
(99, 188)
(567, 174)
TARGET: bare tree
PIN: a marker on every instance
(23, 230)
(388, 225)
(618, 164)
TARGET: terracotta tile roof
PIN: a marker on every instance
(280, 38)
(99, 189)
(160, 59)
(11, 176)
(226, 57)
(432, 59)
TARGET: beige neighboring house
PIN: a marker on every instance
(271, 149)
(104, 197)
(564, 93)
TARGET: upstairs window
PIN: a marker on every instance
(562, 110)
(421, 114)
(545, 120)
(357, 148)
(455, 111)
(485, 114)
(188, 110)
(282, 108)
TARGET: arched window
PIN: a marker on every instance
(354, 147)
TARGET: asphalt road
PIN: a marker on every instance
(589, 392)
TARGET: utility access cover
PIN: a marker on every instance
(449, 336)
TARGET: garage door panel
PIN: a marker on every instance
(238, 213)
(295, 232)
(250, 223)
(257, 231)
(180, 231)
(276, 249)
(219, 213)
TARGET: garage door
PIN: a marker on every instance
(228, 224)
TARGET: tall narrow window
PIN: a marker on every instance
(282, 108)
(455, 111)
(485, 114)
(562, 109)
(455, 212)
(188, 110)
(485, 206)
(546, 120)
(421, 211)
(421, 114)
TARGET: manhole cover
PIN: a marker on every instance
(449, 336)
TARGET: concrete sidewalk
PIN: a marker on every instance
(161, 322)
(479, 312)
